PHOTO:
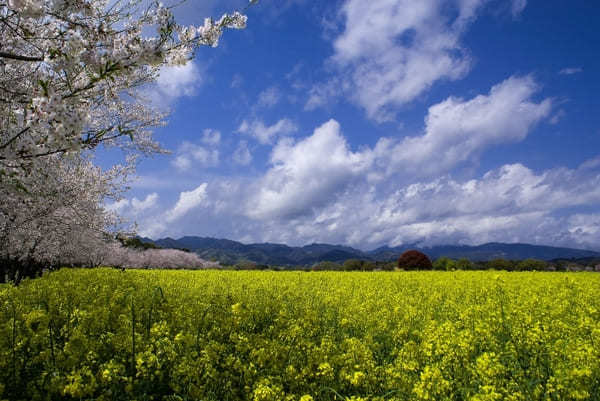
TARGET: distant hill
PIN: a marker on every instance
(230, 252)
(489, 251)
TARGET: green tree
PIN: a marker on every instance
(326, 265)
(353, 265)
(531, 264)
(464, 264)
(444, 263)
(500, 264)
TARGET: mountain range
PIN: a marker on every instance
(230, 252)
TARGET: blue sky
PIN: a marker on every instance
(381, 123)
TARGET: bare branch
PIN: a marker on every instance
(19, 57)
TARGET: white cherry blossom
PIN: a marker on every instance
(72, 77)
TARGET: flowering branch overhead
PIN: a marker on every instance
(71, 72)
(72, 77)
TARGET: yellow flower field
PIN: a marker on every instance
(103, 334)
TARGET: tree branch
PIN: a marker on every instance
(19, 57)
(24, 130)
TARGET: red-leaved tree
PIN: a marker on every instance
(414, 260)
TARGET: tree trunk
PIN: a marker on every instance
(3, 271)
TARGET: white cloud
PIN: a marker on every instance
(152, 229)
(118, 206)
(517, 7)
(510, 189)
(590, 164)
(321, 95)
(133, 206)
(147, 203)
(190, 154)
(174, 82)
(211, 137)
(306, 174)
(509, 204)
(458, 129)
(586, 228)
(242, 155)
(182, 163)
(206, 157)
(187, 201)
(269, 97)
(391, 51)
(266, 134)
(317, 189)
(570, 70)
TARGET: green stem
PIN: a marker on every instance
(133, 338)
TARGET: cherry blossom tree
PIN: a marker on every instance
(121, 256)
(72, 74)
(61, 220)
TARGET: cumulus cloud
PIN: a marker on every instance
(174, 82)
(118, 206)
(318, 189)
(152, 229)
(182, 163)
(306, 174)
(190, 154)
(187, 201)
(133, 206)
(211, 137)
(391, 51)
(586, 228)
(152, 224)
(266, 134)
(320, 95)
(510, 190)
(242, 155)
(511, 204)
(147, 203)
(269, 97)
(457, 129)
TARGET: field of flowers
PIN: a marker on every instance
(103, 334)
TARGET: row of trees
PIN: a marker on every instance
(445, 263)
(348, 265)
(136, 258)
(449, 264)
(416, 260)
(72, 75)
